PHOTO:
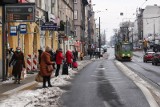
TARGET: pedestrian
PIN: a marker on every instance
(74, 55)
(44, 72)
(39, 55)
(81, 56)
(69, 58)
(145, 45)
(59, 58)
(18, 64)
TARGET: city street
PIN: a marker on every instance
(104, 82)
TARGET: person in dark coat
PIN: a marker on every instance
(46, 60)
(18, 64)
(69, 58)
(59, 58)
(39, 56)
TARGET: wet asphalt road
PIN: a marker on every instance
(101, 84)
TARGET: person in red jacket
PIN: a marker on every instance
(59, 59)
(69, 58)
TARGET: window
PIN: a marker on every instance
(75, 1)
(76, 14)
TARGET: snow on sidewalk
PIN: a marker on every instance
(44, 97)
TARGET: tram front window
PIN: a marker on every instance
(126, 47)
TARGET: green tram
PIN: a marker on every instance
(123, 51)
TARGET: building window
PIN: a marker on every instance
(75, 1)
(76, 14)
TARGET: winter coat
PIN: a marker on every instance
(19, 64)
(45, 60)
(59, 57)
(69, 57)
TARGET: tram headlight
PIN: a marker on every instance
(129, 55)
(123, 55)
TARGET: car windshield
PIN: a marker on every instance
(126, 47)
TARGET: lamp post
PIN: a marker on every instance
(99, 37)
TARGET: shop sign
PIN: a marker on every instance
(49, 26)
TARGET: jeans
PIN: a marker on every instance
(46, 79)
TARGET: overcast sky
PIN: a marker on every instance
(111, 18)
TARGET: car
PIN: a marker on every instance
(148, 56)
(156, 58)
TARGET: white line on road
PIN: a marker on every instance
(148, 95)
(142, 84)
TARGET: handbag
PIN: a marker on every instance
(39, 78)
(50, 68)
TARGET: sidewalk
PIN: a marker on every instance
(7, 88)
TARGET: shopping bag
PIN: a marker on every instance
(50, 68)
(23, 74)
(75, 64)
(39, 78)
(65, 69)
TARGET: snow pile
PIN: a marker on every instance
(48, 97)
(43, 97)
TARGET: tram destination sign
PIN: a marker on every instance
(20, 13)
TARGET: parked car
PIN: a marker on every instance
(156, 58)
(148, 56)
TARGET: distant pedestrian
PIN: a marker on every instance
(69, 58)
(59, 58)
(74, 56)
(44, 72)
(39, 55)
(81, 56)
(145, 45)
(18, 64)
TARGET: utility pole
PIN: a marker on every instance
(154, 30)
(99, 37)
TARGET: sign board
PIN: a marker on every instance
(49, 26)
(13, 30)
(20, 12)
(23, 28)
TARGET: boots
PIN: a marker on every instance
(15, 81)
(18, 81)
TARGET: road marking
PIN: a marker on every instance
(106, 104)
(142, 84)
(148, 95)
(19, 88)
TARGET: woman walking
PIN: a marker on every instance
(44, 72)
(18, 64)
(59, 58)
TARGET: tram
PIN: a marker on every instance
(123, 51)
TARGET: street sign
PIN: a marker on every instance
(49, 26)
(13, 30)
(23, 28)
(24, 12)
